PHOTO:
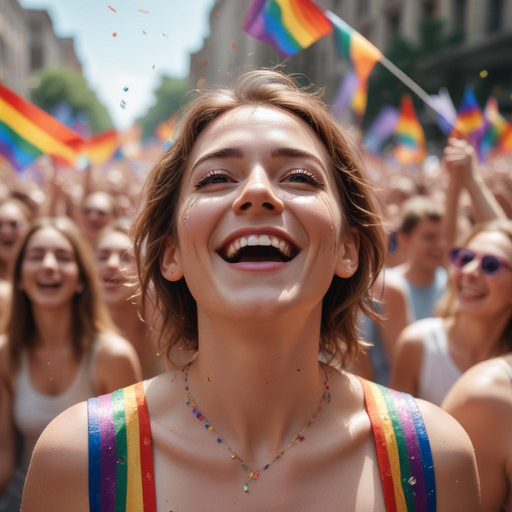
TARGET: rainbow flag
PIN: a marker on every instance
(362, 54)
(288, 25)
(470, 119)
(498, 130)
(27, 132)
(100, 148)
(410, 147)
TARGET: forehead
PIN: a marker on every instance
(494, 242)
(114, 240)
(11, 211)
(426, 226)
(270, 127)
(100, 201)
(49, 238)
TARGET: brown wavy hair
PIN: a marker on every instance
(89, 315)
(446, 307)
(157, 220)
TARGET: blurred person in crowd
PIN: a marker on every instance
(98, 209)
(117, 269)
(59, 346)
(475, 317)
(423, 276)
(259, 256)
(15, 217)
(481, 400)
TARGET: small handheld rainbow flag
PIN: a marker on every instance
(100, 148)
(470, 119)
(27, 132)
(498, 130)
(363, 55)
(288, 25)
(410, 147)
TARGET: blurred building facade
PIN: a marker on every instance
(482, 30)
(14, 46)
(28, 43)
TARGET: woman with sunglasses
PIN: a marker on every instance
(475, 317)
(260, 256)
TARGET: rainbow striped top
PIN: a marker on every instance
(121, 474)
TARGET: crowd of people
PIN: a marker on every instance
(244, 282)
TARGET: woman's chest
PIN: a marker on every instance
(335, 478)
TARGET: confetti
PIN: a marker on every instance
(233, 45)
(217, 14)
(205, 63)
(201, 83)
(143, 11)
(153, 66)
(123, 104)
(111, 8)
(144, 32)
(484, 73)
(114, 34)
(125, 88)
(165, 35)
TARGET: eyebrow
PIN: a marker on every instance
(275, 153)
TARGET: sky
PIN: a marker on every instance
(127, 60)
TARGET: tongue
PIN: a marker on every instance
(259, 254)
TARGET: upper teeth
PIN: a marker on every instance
(262, 240)
(470, 291)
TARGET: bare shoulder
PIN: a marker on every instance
(117, 364)
(57, 479)
(486, 384)
(457, 484)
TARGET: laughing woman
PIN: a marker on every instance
(59, 348)
(260, 240)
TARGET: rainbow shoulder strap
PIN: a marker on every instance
(121, 477)
(403, 450)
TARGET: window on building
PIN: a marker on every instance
(393, 25)
(430, 9)
(459, 16)
(495, 15)
(363, 7)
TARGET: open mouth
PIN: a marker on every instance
(258, 248)
(111, 281)
(49, 286)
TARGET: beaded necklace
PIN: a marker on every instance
(326, 397)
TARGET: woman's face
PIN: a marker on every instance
(477, 293)
(49, 271)
(115, 264)
(13, 226)
(259, 225)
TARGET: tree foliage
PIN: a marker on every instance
(169, 99)
(58, 85)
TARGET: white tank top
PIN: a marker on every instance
(33, 411)
(438, 370)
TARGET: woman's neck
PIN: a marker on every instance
(258, 383)
(53, 326)
(480, 337)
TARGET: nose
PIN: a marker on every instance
(471, 268)
(258, 195)
(50, 261)
(114, 261)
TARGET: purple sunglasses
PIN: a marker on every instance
(490, 265)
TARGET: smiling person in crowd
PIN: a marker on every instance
(59, 346)
(259, 240)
